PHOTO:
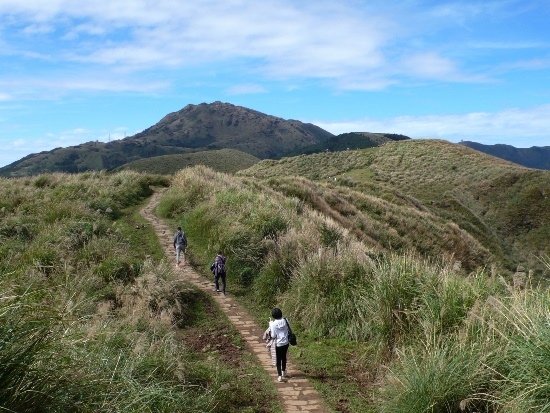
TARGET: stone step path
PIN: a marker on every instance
(297, 394)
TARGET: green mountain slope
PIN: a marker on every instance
(504, 206)
(223, 160)
(195, 127)
(534, 157)
(352, 140)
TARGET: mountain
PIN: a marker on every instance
(502, 205)
(534, 157)
(351, 140)
(193, 128)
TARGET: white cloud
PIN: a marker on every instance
(38, 29)
(5, 97)
(349, 45)
(429, 65)
(518, 127)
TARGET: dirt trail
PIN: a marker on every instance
(297, 395)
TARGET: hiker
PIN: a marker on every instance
(279, 332)
(218, 269)
(180, 243)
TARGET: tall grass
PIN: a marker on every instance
(87, 321)
(438, 377)
(522, 327)
(439, 340)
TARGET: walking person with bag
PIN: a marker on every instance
(180, 244)
(282, 334)
(219, 271)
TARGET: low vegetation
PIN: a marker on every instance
(93, 319)
(222, 160)
(392, 263)
(381, 330)
(502, 205)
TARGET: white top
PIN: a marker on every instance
(279, 332)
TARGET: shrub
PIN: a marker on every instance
(441, 377)
(523, 339)
(329, 236)
(116, 269)
(328, 292)
(171, 205)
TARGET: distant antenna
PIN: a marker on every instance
(109, 136)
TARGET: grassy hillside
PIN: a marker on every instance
(93, 319)
(388, 225)
(378, 331)
(222, 160)
(352, 140)
(504, 206)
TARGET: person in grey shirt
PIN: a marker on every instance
(180, 243)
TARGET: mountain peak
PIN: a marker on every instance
(204, 126)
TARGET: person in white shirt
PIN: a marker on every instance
(279, 333)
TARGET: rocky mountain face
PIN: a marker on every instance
(222, 125)
(194, 128)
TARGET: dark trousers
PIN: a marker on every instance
(216, 280)
(280, 353)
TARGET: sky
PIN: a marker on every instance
(73, 71)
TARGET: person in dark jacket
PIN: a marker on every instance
(219, 271)
(180, 244)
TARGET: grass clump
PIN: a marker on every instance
(442, 377)
(91, 318)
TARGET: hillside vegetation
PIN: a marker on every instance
(352, 140)
(379, 331)
(504, 206)
(222, 160)
(399, 224)
(93, 319)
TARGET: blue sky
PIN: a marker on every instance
(73, 71)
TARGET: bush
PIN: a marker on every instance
(115, 269)
(171, 205)
(437, 378)
(521, 323)
(327, 295)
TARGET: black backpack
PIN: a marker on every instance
(181, 239)
(218, 266)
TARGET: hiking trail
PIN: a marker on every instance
(297, 394)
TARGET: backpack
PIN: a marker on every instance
(219, 265)
(181, 240)
(291, 336)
